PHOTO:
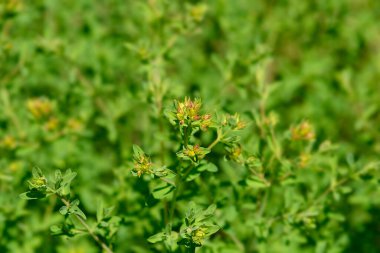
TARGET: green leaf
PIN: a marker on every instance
(162, 190)
(79, 212)
(36, 172)
(212, 229)
(100, 211)
(67, 178)
(74, 209)
(58, 175)
(137, 151)
(208, 167)
(257, 182)
(33, 194)
(164, 172)
(56, 230)
(193, 175)
(74, 203)
(170, 115)
(63, 210)
(159, 237)
(210, 210)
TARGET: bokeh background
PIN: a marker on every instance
(109, 68)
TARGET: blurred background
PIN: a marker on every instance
(101, 73)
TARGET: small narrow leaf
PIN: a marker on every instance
(159, 237)
(257, 182)
(63, 210)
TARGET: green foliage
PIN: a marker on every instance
(197, 227)
(189, 126)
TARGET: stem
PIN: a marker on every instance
(87, 227)
(191, 249)
(187, 172)
(219, 137)
(179, 182)
(264, 202)
(173, 202)
(10, 113)
(216, 141)
(186, 137)
(161, 130)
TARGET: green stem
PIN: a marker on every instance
(186, 136)
(179, 183)
(264, 202)
(191, 249)
(87, 227)
(173, 202)
(187, 172)
(217, 140)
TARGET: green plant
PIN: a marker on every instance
(40, 187)
(187, 118)
(84, 84)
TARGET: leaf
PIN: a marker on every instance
(212, 229)
(100, 211)
(108, 211)
(164, 172)
(208, 167)
(33, 194)
(159, 237)
(170, 115)
(25, 196)
(66, 182)
(193, 175)
(162, 190)
(36, 172)
(137, 151)
(257, 182)
(63, 210)
(56, 230)
(80, 213)
(58, 180)
(74, 203)
(68, 177)
(58, 175)
(210, 210)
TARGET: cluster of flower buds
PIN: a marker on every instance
(40, 107)
(234, 152)
(8, 142)
(38, 182)
(197, 234)
(303, 132)
(51, 124)
(194, 153)
(304, 160)
(234, 122)
(198, 12)
(74, 125)
(187, 113)
(141, 163)
(272, 119)
(199, 226)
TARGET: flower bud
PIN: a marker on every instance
(303, 132)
